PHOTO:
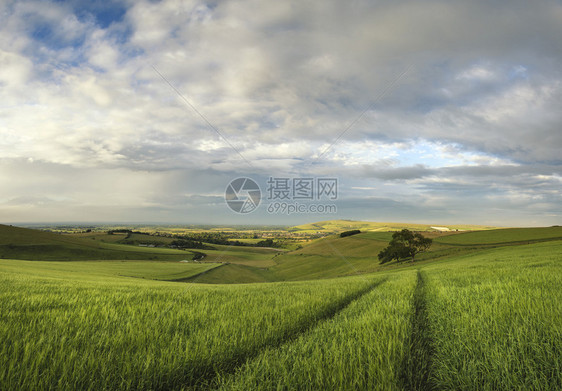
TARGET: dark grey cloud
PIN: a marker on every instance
(398, 173)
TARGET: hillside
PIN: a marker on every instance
(327, 257)
(334, 226)
(333, 256)
(30, 244)
(503, 236)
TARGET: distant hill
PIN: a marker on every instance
(334, 226)
(30, 244)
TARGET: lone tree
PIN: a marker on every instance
(404, 244)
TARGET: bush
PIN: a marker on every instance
(349, 233)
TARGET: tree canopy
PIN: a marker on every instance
(349, 233)
(404, 244)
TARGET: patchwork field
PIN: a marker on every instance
(479, 311)
(31, 244)
(332, 226)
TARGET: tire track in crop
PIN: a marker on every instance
(416, 366)
(229, 367)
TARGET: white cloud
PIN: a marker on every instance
(477, 73)
(281, 81)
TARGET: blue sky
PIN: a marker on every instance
(425, 111)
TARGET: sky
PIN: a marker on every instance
(438, 112)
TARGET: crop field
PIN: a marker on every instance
(364, 347)
(488, 321)
(503, 236)
(251, 256)
(476, 316)
(120, 333)
(152, 270)
(497, 322)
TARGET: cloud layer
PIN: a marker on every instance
(441, 111)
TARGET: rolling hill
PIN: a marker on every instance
(327, 257)
(30, 244)
(333, 256)
(334, 226)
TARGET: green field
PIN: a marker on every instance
(503, 236)
(497, 320)
(124, 333)
(333, 256)
(363, 347)
(86, 270)
(249, 256)
(21, 243)
(479, 311)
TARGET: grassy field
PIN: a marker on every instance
(85, 270)
(364, 347)
(482, 312)
(495, 322)
(22, 243)
(124, 333)
(234, 273)
(502, 236)
(249, 256)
